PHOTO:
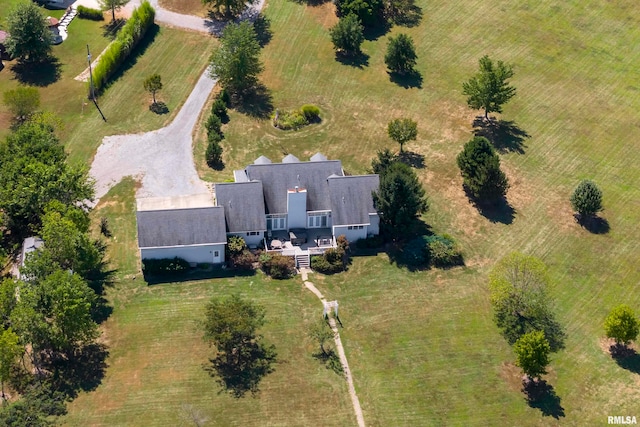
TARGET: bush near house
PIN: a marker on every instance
(278, 266)
(89, 13)
(118, 51)
(165, 266)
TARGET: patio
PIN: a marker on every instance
(300, 242)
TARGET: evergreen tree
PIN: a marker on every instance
(480, 168)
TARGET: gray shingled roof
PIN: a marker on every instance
(179, 227)
(277, 178)
(243, 205)
(351, 200)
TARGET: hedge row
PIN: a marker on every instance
(119, 49)
(88, 13)
(165, 266)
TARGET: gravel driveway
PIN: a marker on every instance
(162, 159)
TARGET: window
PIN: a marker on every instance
(317, 220)
(216, 254)
(253, 233)
(277, 222)
(355, 227)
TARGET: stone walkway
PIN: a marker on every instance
(341, 354)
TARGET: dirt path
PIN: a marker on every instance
(161, 159)
(341, 354)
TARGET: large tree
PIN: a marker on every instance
(402, 131)
(518, 289)
(242, 358)
(489, 89)
(480, 168)
(10, 350)
(29, 36)
(112, 5)
(228, 8)
(622, 325)
(236, 62)
(369, 12)
(23, 102)
(401, 54)
(347, 35)
(400, 199)
(532, 353)
(586, 199)
(34, 172)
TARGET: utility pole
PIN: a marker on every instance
(92, 92)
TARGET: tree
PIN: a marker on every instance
(241, 359)
(153, 84)
(112, 5)
(622, 325)
(321, 333)
(480, 168)
(228, 8)
(34, 172)
(10, 350)
(23, 102)
(347, 35)
(401, 54)
(29, 36)
(586, 199)
(518, 289)
(369, 12)
(400, 198)
(236, 63)
(489, 89)
(532, 353)
(402, 131)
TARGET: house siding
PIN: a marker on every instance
(374, 224)
(251, 240)
(195, 254)
(351, 235)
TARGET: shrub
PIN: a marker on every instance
(278, 266)
(219, 109)
(165, 266)
(416, 252)
(89, 13)
(244, 260)
(224, 96)
(236, 245)
(370, 242)
(213, 124)
(343, 243)
(443, 251)
(213, 155)
(119, 49)
(332, 261)
(310, 112)
(289, 120)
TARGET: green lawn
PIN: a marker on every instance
(422, 345)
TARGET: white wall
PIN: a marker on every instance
(297, 208)
(351, 235)
(251, 240)
(197, 254)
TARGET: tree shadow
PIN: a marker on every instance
(82, 370)
(593, 224)
(311, 2)
(413, 159)
(110, 30)
(256, 102)
(497, 211)
(360, 60)
(626, 357)
(242, 370)
(407, 80)
(373, 33)
(217, 272)
(541, 395)
(408, 16)
(159, 108)
(262, 27)
(137, 52)
(40, 74)
(506, 136)
(330, 360)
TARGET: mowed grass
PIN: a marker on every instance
(186, 7)
(422, 345)
(178, 56)
(157, 360)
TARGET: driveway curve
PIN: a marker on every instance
(162, 159)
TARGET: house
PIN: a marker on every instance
(29, 245)
(188, 227)
(293, 207)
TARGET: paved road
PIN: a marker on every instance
(162, 159)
